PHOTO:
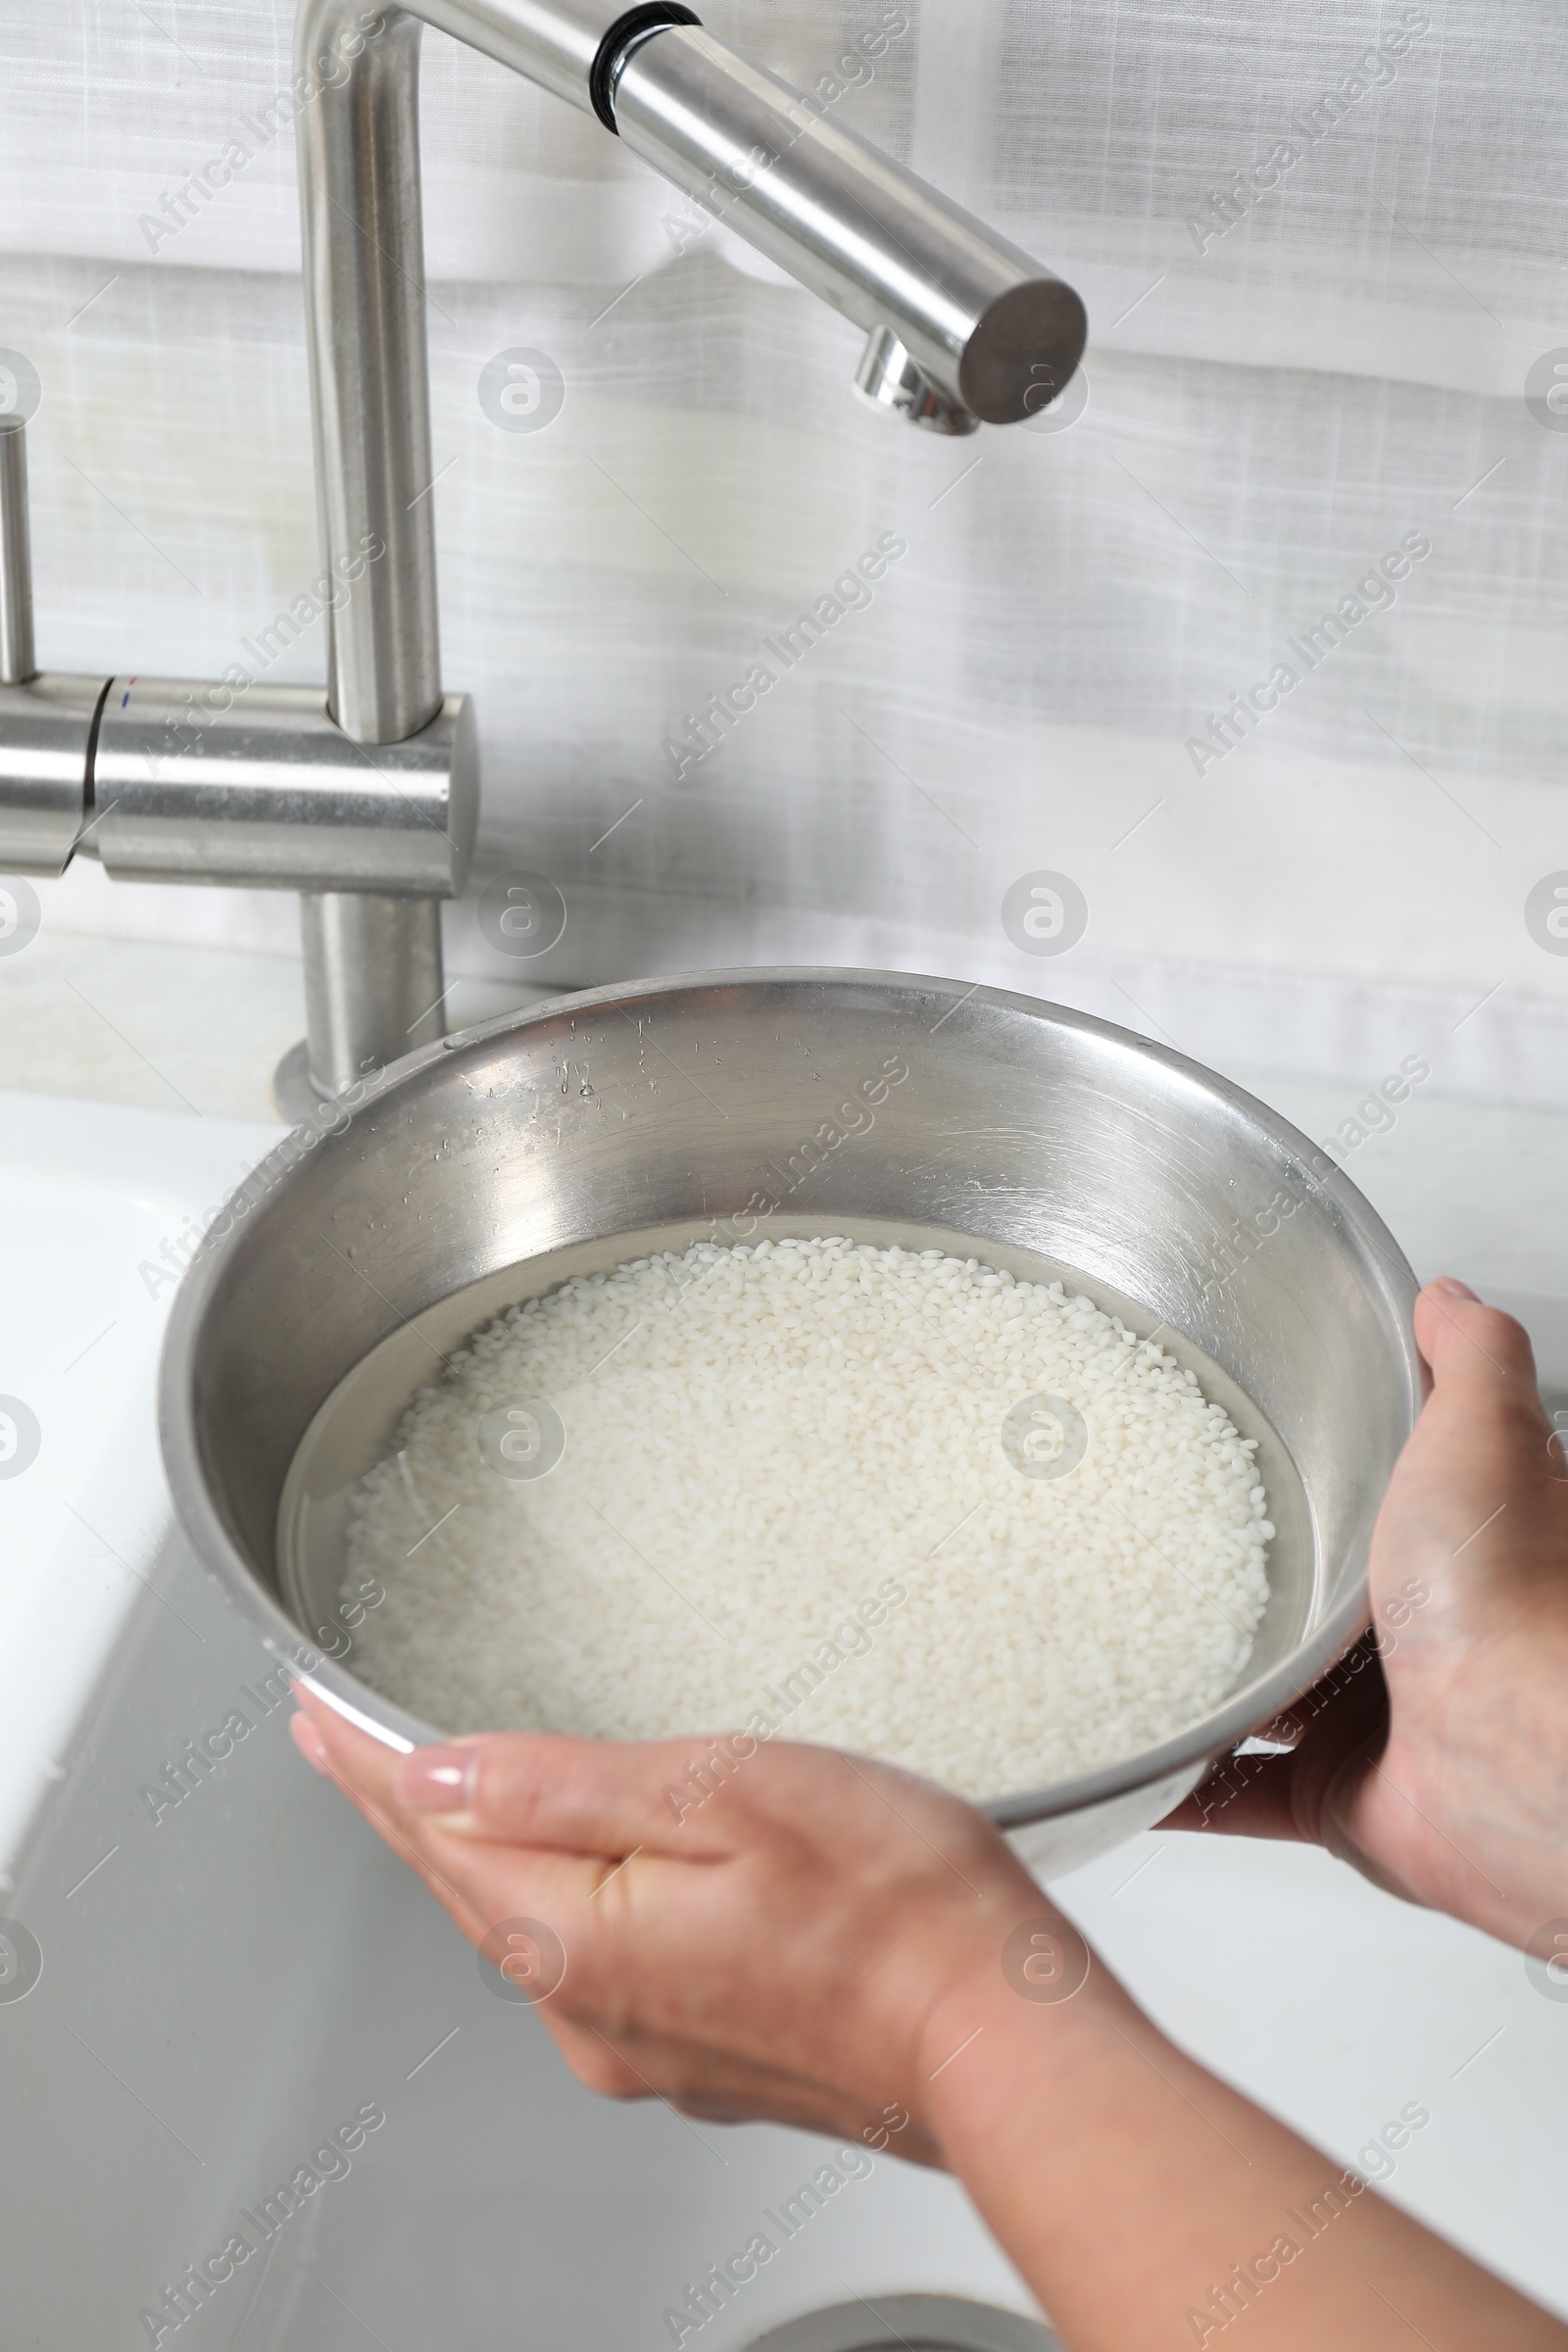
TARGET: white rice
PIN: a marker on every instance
(786, 1506)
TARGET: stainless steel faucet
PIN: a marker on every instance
(364, 797)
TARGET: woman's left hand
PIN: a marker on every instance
(782, 1947)
(815, 1939)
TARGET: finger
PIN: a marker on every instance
(597, 2063)
(1482, 1360)
(1344, 1720)
(621, 2062)
(478, 1885)
(606, 1797)
(363, 1767)
(722, 2086)
(1475, 1496)
(1485, 1409)
(586, 1796)
(481, 1876)
(462, 1784)
(327, 1744)
(1245, 1796)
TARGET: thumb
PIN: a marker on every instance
(1481, 1358)
(1475, 1491)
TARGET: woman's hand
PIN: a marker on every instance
(1436, 1758)
(827, 1943)
(791, 1935)
(781, 1947)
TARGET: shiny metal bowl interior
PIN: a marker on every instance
(738, 1105)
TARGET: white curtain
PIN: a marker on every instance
(1322, 247)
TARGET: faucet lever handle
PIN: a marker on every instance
(47, 721)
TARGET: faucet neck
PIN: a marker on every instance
(965, 326)
(357, 74)
(362, 235)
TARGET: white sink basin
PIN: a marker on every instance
(229, 1978)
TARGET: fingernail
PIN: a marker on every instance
(308, 1740)
(438, 1779)
(1456, 1289)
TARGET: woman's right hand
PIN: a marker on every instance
(1436, 1758)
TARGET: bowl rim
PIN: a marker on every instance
(1241, 1715)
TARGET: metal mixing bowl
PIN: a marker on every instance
(743, 1104)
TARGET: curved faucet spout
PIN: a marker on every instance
(965, 326)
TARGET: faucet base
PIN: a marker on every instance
(374, 989)
(293, 1090)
